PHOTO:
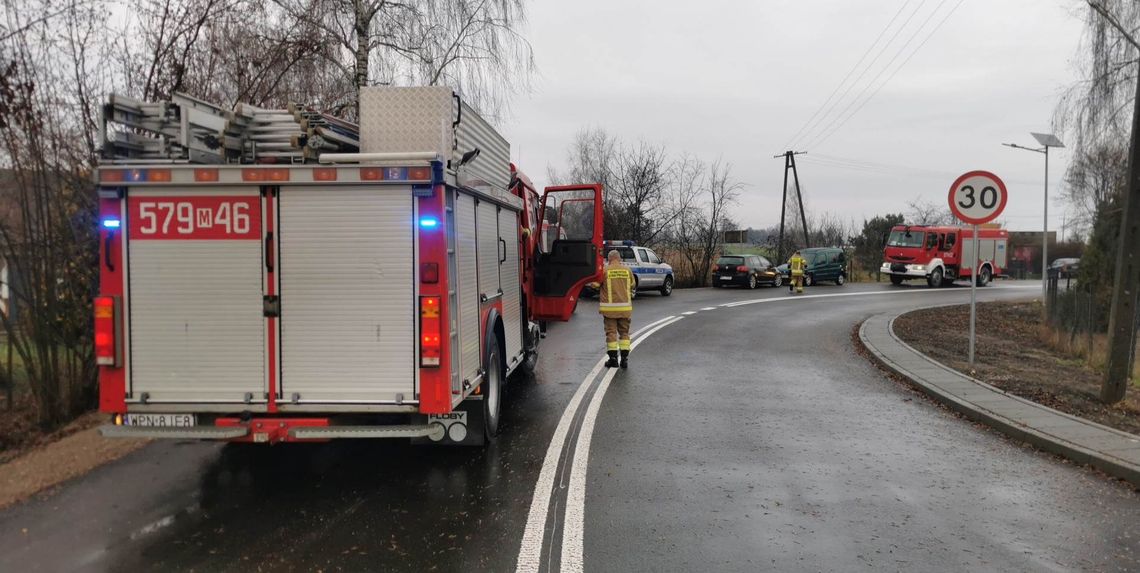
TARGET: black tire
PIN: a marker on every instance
(778, 281)
(808, 280)
(896, 280)
(634, 294)
(841, 279)
(985, 276)
(667, 288)
(935, 278)
(751, 282)
(492, 390)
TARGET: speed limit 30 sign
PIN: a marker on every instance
(978, 197)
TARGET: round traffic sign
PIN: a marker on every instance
(978, 197)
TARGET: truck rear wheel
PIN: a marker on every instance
(492, 390)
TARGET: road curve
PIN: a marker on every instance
(743, 438)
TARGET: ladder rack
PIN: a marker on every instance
(189, 130)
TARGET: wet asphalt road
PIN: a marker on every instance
(742, 439)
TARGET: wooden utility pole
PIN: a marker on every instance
(1122, 315)
(790, 164)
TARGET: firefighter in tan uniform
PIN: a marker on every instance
(796, 266)
(615, 302)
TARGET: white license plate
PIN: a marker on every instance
(161, 420)
(725, 278)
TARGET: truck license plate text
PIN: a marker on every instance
(174, 218)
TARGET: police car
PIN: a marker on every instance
(649, 271)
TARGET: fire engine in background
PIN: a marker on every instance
(942, 255)
(280, 275)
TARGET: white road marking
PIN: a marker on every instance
(574, 519)
(530, 554)
(572, 550)
(709, 308)
(689, 313)
(872, 293)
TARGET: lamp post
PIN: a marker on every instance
(1046, 140)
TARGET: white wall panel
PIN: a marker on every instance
(196, 325)
(348, 305)
(468, 287)
(510, 280)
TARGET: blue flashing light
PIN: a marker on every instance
(112, 223)
(429, 222)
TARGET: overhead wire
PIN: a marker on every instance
(824, 136)
(842, 82)
(870, 65)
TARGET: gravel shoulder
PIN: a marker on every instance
(1011, 355)
(44, 466)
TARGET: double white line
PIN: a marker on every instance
(530, 554)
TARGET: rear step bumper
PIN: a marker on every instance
(434, 432)
(191, 433)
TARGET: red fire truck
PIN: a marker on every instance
(942, 255)
(386, 292)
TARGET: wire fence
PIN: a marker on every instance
(1077, 318)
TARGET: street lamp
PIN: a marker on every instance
(1046, 140)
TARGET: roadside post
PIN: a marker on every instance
(976, 198)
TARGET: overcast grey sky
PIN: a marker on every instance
(736, 79)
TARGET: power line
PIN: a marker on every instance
(930, 35)
(870, 65)
(882, 32)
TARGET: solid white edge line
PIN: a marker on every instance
(530, 553)
(573, 522)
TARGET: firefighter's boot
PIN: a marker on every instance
(613, 361)
(625, 359)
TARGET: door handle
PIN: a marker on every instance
(269, 251)
(503, 257)
(107, 251)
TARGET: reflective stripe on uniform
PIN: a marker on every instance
(623, 344)
(616, 306)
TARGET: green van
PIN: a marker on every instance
(823, 264)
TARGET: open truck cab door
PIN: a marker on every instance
(569, 249)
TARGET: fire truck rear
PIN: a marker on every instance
(280, 275)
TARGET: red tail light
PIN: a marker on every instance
(431, 344)
(742, 269)
(106, 345)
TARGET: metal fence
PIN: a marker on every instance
(1078, 314)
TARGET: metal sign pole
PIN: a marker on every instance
(973, 295)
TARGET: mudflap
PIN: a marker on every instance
(463, 426)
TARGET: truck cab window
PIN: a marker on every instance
(931, 240)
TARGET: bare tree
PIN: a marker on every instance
(475, 46)
(1094, 177)
(923, 212)
(47, 233)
